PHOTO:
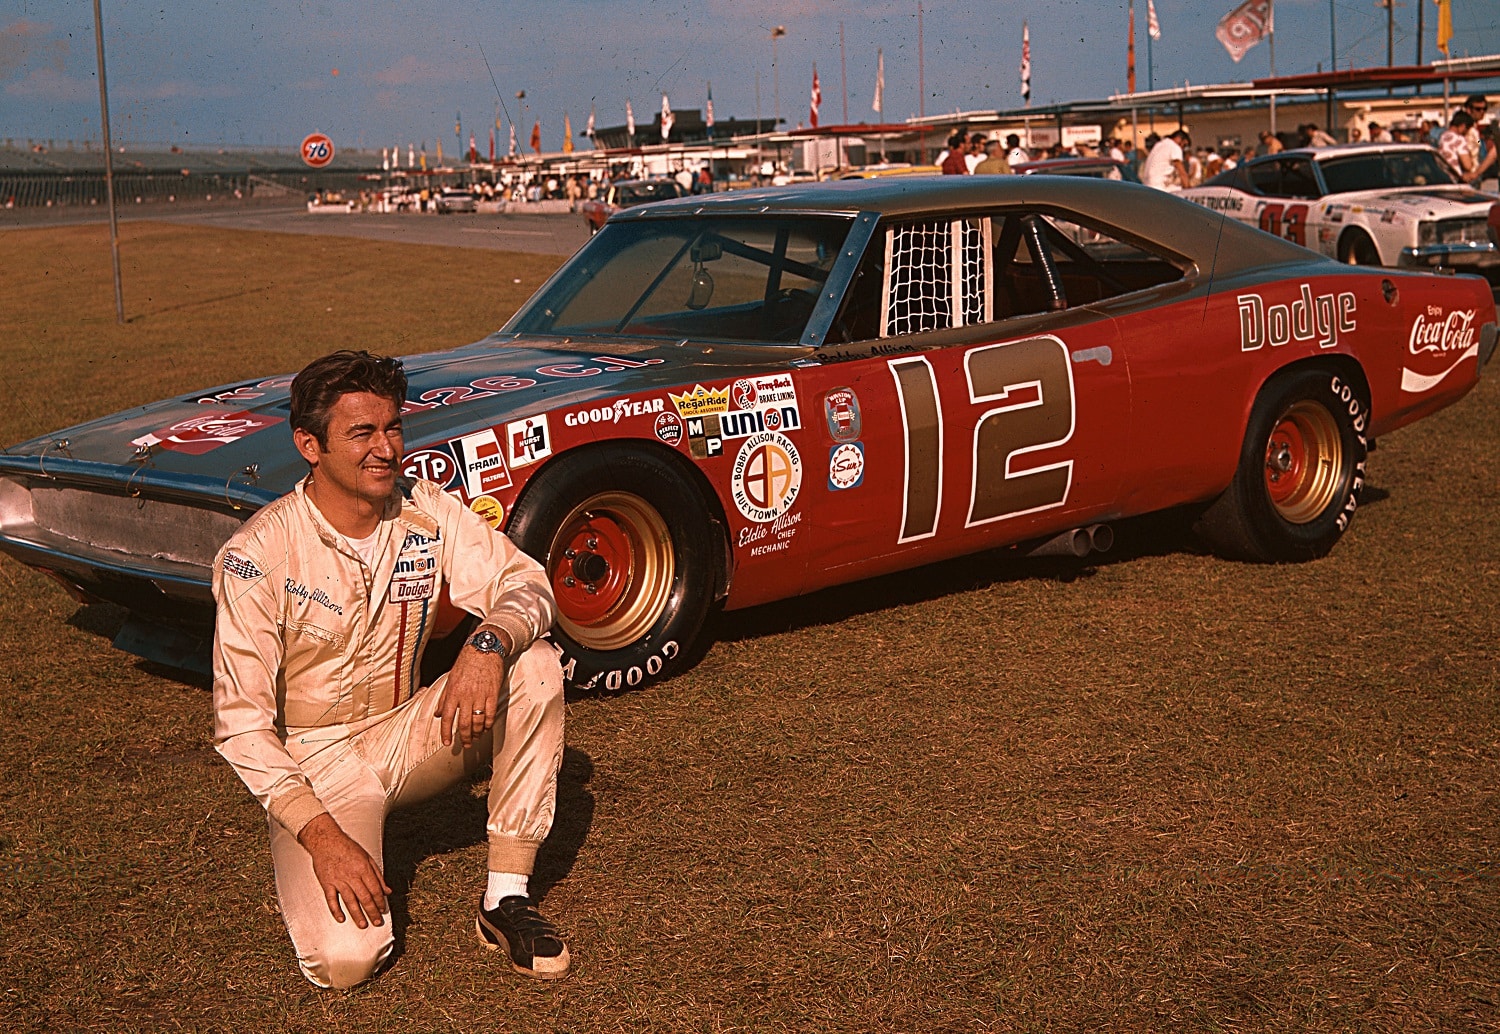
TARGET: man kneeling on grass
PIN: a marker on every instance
(325, 602)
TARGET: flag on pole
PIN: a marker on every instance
(589, 130)
(513, 148)
(1244, 27)
(1130, 50)
(440, 149)
(473, 150)
(708, 118)
(1445, 24)
(878, 105)
(667, 118)
(1026, 62)
(458, 125)
(817, 99)
(492, 144)
(411, 156)
(567, 134)
(1152, 25)
(630, 124)
(536, 136)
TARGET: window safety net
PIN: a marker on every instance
(938, 275)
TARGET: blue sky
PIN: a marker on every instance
(263, 72)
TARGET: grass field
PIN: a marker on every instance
(1159, 791)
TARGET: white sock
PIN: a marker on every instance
(504, 885)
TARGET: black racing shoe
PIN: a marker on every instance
(536, 948)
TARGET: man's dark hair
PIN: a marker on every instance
(323, 381)
(1011, 140)
(1476, 100)
(1461, 119)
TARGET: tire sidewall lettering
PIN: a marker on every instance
(616, 679)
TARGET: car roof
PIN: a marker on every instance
(1157, 215)
(1338, 150)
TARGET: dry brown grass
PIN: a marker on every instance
(1158, 792)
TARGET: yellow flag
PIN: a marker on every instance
(567, 134)
(1445, 24)
(440, 150)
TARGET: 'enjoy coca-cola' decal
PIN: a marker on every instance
(1451, 336)
(207, 431)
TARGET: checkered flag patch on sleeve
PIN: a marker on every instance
(240, 567)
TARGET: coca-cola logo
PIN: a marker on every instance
(1434, 332)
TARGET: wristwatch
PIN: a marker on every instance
(486, 641)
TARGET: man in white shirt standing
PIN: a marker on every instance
(1015, 154)
(1164, 168)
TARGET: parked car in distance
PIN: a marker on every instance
(1094, 168)
(450, 201)
(627, 194)
(1398, 205)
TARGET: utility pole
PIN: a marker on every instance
(109, 165)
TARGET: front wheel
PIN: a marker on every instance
(630, 554)
(1356, 249)
(1301, 470)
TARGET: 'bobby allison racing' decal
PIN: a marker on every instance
(1433, 333)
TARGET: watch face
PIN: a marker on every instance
(485, 642)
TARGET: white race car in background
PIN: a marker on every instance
(1365, 204)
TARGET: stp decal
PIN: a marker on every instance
(1324, 317)
(432, 465)
(527, 441)
(483, 463)
(846, 466)
(841, 409)
(767, 476)
(207, 431)
(1437, 335)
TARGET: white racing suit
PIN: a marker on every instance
(317, 703)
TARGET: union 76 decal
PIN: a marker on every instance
(1028, 388)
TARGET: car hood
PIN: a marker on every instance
(1420, 202)
(233, 441)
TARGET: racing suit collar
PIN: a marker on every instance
(398, 508)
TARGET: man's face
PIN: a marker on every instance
(364, 448)
(1477, 110)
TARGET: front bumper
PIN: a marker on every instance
(1469, 256)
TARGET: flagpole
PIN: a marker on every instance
(1150, 70)
(109, 165)
(1130, 51)
(843, 74)
(1271, 36)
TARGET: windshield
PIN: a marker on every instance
(754, 279)
(1385, 169)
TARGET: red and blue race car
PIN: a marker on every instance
(734, 399)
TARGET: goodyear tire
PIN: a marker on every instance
(631, 555)
(1301, 470)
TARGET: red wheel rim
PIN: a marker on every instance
(611, 566)
(1304, 463)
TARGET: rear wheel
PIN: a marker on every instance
(1357, 249)
(1301, 470)
(629, 551)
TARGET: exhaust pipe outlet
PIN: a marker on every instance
(1075, 543)
(1102, 536)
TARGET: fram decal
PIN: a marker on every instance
(432, 465)
(615, 412)
(767, 476)
(207, 431)
(527, 441)
(483, 463)
(1432, 333)
(1323, 317)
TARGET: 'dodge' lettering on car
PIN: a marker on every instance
(1323, 317)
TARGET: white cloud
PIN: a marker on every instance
(49, 84)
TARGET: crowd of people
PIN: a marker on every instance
(1172, 162)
